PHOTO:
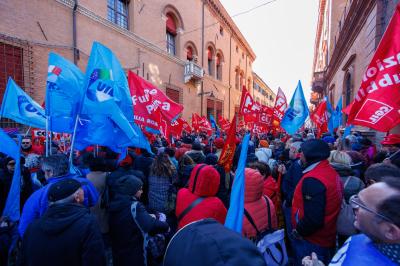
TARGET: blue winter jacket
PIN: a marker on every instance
(37, 203)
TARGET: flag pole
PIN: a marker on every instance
(71, 151)
(47, 136)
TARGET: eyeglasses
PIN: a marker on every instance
(26, 143)
(356, 204)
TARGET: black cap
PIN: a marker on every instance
(62, 189)
(128, 185)
(315, 150)
(196, 146)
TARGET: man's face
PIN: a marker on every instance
(368, 222)
(26, 144)
(11, 166)
(303, 159)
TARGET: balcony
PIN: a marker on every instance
(192, 72)
(318, 83)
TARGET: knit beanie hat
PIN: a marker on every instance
(62, 189)
(264, 143)
(315, 150)
(128, 185)
(196, 146)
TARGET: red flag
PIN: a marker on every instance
(147, 98)
(186, 126)
(247, 105)
(226, 158)
(347, 109)
(173, 128)
(196, 121)
(223, 123)
(377, 101)
(279, 108)
(205, 125)
(265, 117)
(320, 118)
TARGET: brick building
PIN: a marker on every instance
(348, 33)
(191, 49)
(261, 92)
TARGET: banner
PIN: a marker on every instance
(228, 152)
(377, 101)
(279, 108)
(20, 107)
(147, 99)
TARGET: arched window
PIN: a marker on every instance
(219, 66)
(210, 60)
(171, 34)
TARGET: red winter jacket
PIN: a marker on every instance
(255, 204)
(204, 182)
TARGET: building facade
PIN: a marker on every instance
(191, 49)
(348, 33)
(261, 92)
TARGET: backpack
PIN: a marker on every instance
(270, 243)
(153, 246)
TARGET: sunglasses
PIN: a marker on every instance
(11, 163)
(26, 143)
(356, 204)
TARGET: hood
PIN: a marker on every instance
(120, 202)
(263, 155)
(204, 180)
(60, 217)
(221, 245)
(254, 185)
(342, 169)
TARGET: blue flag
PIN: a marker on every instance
(107, 112)
(297, 112)
(347, 131)
(234, 218)
(18, 106)
(64, 92)
(9, 147)
(213, 122)
(105, 80)
(334, 115)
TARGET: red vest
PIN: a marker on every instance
(326, 236)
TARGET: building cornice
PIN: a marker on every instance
(130, 35)
(222, 14)
(354, 22)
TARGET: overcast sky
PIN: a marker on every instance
(282, 35)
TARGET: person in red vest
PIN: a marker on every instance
(316, 204)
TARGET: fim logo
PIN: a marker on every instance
(53, 72)
(372, 111)
(100, 85)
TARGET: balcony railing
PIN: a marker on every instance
(192, 71)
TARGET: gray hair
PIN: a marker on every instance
(32, 160)
(57, 163)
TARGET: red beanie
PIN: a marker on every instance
(219, 143)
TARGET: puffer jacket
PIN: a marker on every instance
(255, 205)
(351, 184)
(204, 182)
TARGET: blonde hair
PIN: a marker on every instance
(340, 157)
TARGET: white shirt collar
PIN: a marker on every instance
(311, 167)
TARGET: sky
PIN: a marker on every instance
(282, 35)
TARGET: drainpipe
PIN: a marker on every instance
(230, 69)
(75, 50)
(202, 57)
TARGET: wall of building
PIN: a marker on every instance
(47, 26)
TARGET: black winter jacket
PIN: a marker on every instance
(67, 234)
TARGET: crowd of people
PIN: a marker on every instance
(337, 199)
